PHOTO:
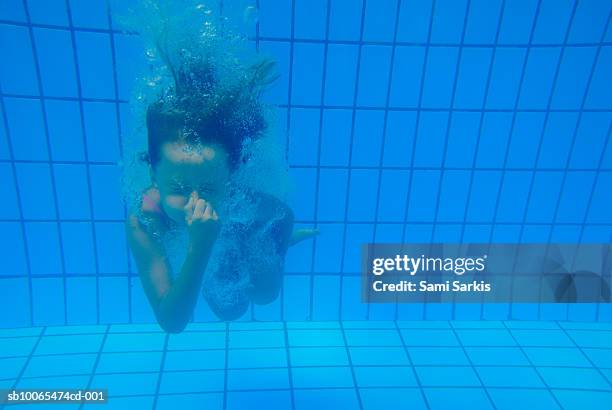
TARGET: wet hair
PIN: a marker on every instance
(206, 106)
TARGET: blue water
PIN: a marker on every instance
(405, 121)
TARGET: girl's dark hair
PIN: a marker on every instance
(203, 107)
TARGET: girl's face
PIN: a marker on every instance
(184, 168)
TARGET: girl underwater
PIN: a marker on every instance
(200, 132)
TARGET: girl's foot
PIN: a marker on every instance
(300, 235)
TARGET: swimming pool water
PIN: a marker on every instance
(406, 121)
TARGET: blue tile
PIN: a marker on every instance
(560, 356)
(576, 399)
(509, 377)
(297, 297)
(378, 356)
(597, 98)
(429, 337)
(523, 144)
(332, 398)
(379, 21)
(385, 377)
(552, 22)
(58, 365)
(332, 196)
(190, 382)
(374, 70)
(111, 247)
(328, 337)
(546, 338)
(258, 379)
(102, 131)
(56, 61)
(399, 138)
(15, 293)
(599, 357)
(26, 129)
(340, 74)
(424, 356)
(18, 346)
(335, 137)
(509, 399)
(453, 196)
(129, 362)
(9, 207)
(382, 399)
(497, 337)
(114, 304)
(19, 77)
(310, 19)
(414, 21)
(367, 137)
(10, 368)
(65, 132)
(120, 342)
(448, 21)
(43, 248)
(186, 401)
(127, 403)
(472, 77)
(545, 194)
(372, 337)
(481, 208)
(482, 21)
(556, 140)
(393, 191)
(95, 64)
(302, 202)
(256, 338)
(326, 297)
(362, 195)
(106, 192)
(78, 247)
(592, 338)
(35, 190)
(307, 73)
(589, 22)
(448, 376)
(238, 358)
(72, 191)
(13, 11)
(303, 140)
(518, 22)
(196, 340)
(258, 399)
(601, 197)
(463, 398)
(48, 12)
(90, 14)
(487, 356)
(573, 77)
(407, 76)
(576, 378)
(13, 257)
(345, 19)
(319, 356)
(69, 344)
(75, 382)
(126, 384)
(507, 68)
(194, 360)
(48, 301)
(422, 196)
(274, 18)
(313, 377)
(538, 81)
(439, 77)
(513, 196)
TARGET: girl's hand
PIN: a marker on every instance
(202, 220)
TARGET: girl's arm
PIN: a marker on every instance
(173, 301)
